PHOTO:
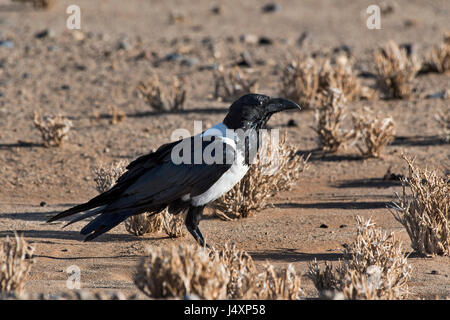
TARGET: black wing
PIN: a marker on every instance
(152, 183)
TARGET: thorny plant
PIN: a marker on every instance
(374, 267)
(180, 271)
(438, 59)
(15, 264)
(395, 70)
(425, 215)
(373, 133)
(160, 98)
(54, 130)
(443, 118)
(232, 83)
(307, 80)
(330, 116)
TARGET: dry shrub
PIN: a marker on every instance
(72, 295)
(178, 271)
(160, 98)
(54, 130)
(173, 224)
(443, 118)
(373, 267)
(341, 76)
(106, 176)
(283, 285)
(306, 80)
(425, 215)
(300, 82)
(374, 133)
(116, 115)
(395, 71)
(438, 59)
(38, 4)
(329, 117)
(143, 223)
(15, 263)
(232, 83)
(241, 270)
(246, 283)
(277, 168)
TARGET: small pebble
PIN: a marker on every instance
(434, 272)
(249, 38)
(44, 34)
(6, 44)
(43, 204)
(264, 41)
(323, 226)
(292, 123)
(271, 7)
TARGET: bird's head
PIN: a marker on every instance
(252, 111)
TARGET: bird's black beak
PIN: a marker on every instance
(279, 104)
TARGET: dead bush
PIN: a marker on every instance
(330, 116)
(15, 264)
(307, 80)
(425, 215)
(277, 168)
(178, 271)
(82, 294)
(241, 270)
(232, 83)
(143, 223)
(395, 71)
(341, 76)
(373, 267)
(300, 82)
(230, 273)
(443, 118)
(438, 59)
(374, 133)
(160, 98)
(173, 224)
(54, 130)
(283, 285)
(117, 115)
(106, 176)
(39, 4)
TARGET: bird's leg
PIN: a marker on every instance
(193, 218)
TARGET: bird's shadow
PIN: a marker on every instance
(368, 183)
(73, 235)
(291, 255)
(21, 144)
(348, 205)
(418, 141)
(319, 155)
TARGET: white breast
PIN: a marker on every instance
(230, 178)
(225, 183)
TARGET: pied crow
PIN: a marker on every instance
(186, 174)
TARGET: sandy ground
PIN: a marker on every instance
(124, 42)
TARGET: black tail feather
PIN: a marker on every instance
(85, 215)
(103, 223)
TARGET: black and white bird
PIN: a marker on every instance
(159, 180)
